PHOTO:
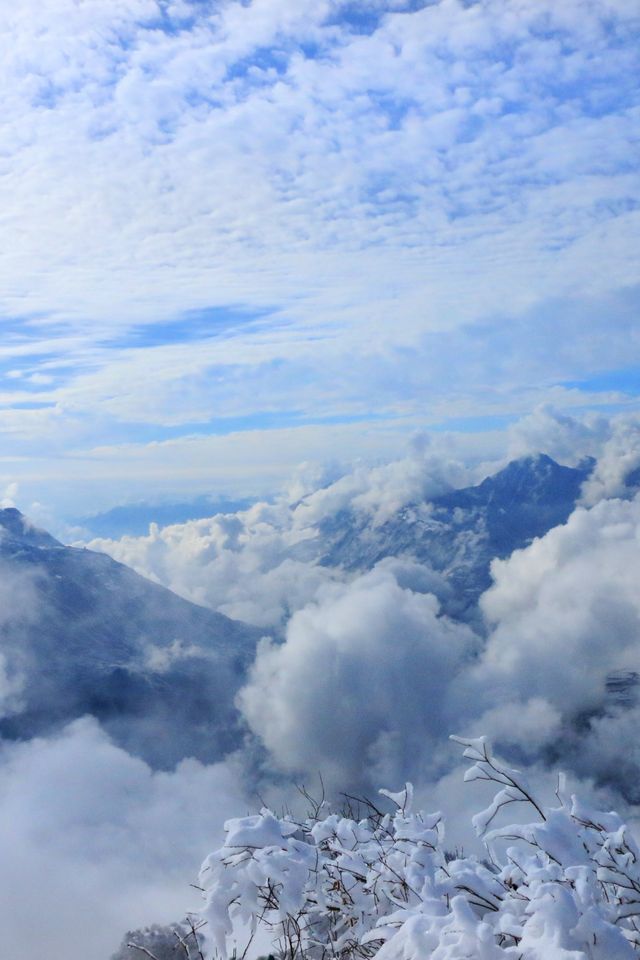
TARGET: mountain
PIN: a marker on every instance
(460, 532)
(82, 634)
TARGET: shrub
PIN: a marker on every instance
(565, 886)
(179, 941)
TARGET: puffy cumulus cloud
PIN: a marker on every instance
(359, 687)
(381, 491)
(613, 441)
(608, 750)
(11, 686)
(94, 842)
(527, 725)
(252, 565)
(566, 610)
(261, 564)
(564, 616)
(618, 465)
(566, 438)
(9, 495)
(415, 576)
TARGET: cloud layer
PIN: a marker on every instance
(262, 564)
(360, 682)
(370, 677)
(365, 681)
(261, 216)
(94, 842)
(561, 621)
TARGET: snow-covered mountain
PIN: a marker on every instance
(458, 533)
(83, 634)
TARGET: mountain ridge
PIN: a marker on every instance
(458, 533)
(84, 634)
(88, 635)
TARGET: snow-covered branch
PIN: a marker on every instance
(565, 886)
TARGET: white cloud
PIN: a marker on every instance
(243, 565)
(570, 597)
(9, 496)
(360, 683)
(346, 192)
(94, 842)
(614, 443)
(381, 491)
(19, 600)
(262, 564)
(564, 616)
(619, 458)
(566, 438)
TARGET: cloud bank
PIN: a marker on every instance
(548, 671)
(370, 676)
(360, 681)
(94, 841)
(365, 680)
(262, 564)
(565, 618)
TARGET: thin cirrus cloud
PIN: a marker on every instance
(220, 211)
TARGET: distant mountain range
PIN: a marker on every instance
(133, 519)
(83, 634)
(460, 532)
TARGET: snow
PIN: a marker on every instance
(564, 887)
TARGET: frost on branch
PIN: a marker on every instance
(565, 886)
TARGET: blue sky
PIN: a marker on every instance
(240, 235)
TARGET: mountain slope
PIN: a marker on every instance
(460, 532)
(81, 633)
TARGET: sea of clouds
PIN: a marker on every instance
(360, 677)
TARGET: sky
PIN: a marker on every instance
(243, 235)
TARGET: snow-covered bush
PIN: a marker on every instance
(564, 887)
(179, 941)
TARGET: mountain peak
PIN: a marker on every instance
(463, 530)
(533, 464)
(18, 530)
(534, 461)
(534, 477)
